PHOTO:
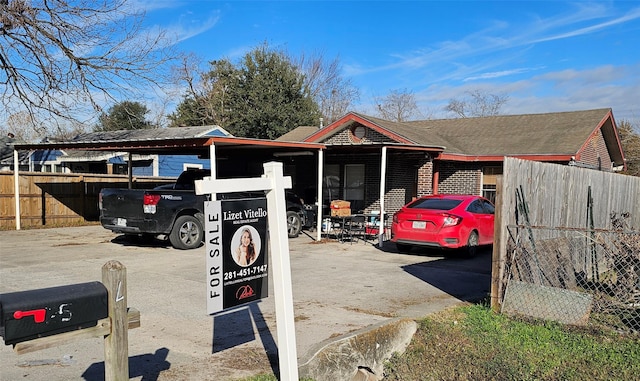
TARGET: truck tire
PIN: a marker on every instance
(294, 224)
(187, 233)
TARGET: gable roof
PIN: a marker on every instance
(298, 134)
(559, 135)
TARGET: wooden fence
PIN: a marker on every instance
(558, 197)
(56, 199)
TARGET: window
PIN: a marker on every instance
(488, 208)
(186, 166)
(435, 203)
(354, 185)
(489, 176)
(476, 207)
(489, 192)
(331, 183)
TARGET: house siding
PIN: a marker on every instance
(596, 149)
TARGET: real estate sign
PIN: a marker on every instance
(236, 247)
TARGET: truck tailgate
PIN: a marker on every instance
(121, 203)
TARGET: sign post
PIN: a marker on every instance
(274, 183)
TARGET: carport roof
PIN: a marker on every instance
(175, 140)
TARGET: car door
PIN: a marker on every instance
(483, 220)
(488, 218)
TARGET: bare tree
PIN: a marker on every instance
(333, 93)
(477, 103)
(630, 141)
(206, 93)
(398, 106)
(63, 60)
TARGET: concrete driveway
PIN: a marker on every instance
(338, 288)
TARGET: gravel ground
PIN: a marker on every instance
(337, 288)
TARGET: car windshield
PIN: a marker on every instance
(435, 203)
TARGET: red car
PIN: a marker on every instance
(444, 221)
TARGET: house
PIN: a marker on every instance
(115, 162)
(365, 154)
(359, 157)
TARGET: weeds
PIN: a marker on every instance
(473, 343)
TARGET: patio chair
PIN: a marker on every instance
(355, 228)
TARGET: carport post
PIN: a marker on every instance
(213, 170)
(383, 175)
(16, 186)
(319, 202)
(130, 169)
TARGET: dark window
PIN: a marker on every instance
(488, 207)
(476, 207)
(435, 203)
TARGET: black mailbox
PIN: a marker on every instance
(27, 315)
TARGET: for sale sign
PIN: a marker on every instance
(236, 233)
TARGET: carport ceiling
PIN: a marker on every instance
(178, 140)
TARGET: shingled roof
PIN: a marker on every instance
(559, 133)
(298, 134)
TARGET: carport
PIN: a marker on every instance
(229, 156)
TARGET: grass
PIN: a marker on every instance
(473, 343)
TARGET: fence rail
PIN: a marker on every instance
(56, 199)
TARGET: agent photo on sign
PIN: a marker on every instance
(245, 245)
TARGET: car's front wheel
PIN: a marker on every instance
(294, 224)
(187, 233)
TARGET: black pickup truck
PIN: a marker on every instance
(174, 211)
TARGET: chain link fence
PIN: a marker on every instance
(574, 276)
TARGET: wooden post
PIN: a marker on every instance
(497, 256)
(116, 352)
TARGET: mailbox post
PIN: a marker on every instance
(116, 345)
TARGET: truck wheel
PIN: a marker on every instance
(187, 233)
(294, 224)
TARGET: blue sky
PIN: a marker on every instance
(546, 56)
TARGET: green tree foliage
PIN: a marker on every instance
(630, 141)
(125, 115)
(264, 96)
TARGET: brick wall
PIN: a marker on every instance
(346, 137)
(461, 178)
(425, 179)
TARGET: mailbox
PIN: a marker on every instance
(28, 315)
